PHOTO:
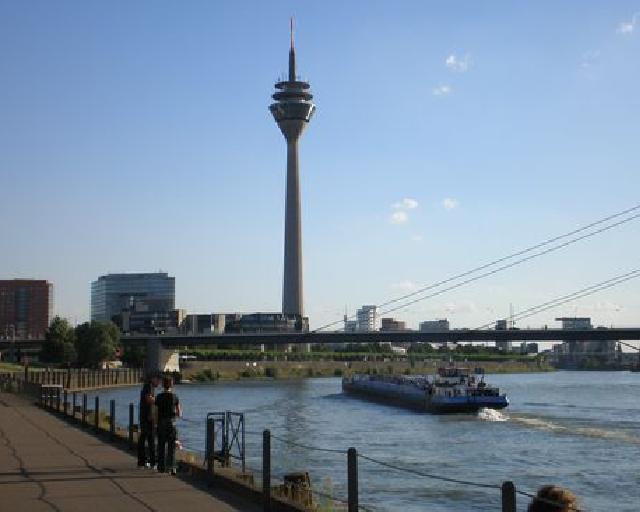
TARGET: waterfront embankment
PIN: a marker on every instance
(49, 464)
(233, 370)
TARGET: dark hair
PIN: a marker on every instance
(167, 381)
(553, 499)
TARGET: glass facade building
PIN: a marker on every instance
(114, 293)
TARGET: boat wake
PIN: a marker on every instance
(558, 428)
(492, 415)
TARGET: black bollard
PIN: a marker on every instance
(266, 471)
(508, 497)
(96, 419)
(84, 409)
(131, 416)
(112, 419)
(352, 480)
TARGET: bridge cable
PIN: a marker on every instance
(558, 301)
(504, 267)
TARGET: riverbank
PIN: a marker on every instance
(206, 371)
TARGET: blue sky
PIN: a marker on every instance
(136, 136)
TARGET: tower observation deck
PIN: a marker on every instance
(292, 110)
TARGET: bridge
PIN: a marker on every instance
(173, 341)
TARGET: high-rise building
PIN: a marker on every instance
(26, 308)
(292, 110)
(114, 294)
(367, 318)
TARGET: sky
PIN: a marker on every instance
(136, 136)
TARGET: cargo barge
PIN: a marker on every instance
(451, 390)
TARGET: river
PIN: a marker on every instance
(580, 430)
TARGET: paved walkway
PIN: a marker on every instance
(47, 464)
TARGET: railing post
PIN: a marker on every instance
(112, 419)
(266, 471)
(508, 497)
(96, 418)
(131, 416)
(73, 405)
(210, 445)
(84, 409)
(352, 480)
(65, 397)
(58, 397)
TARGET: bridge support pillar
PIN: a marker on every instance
(160, 359)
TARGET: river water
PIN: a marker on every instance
(580, 430)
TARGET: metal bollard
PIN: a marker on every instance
(112, 419)
(131, 415)
(96, 417)
(58, 398)
(352, 480)
(84, 409)
(73, 404)
(508, 497)
(266, 471)
(65, 397)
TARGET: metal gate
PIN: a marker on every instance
(225, 439)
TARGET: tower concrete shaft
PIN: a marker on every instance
(292, 111)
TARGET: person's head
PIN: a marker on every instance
(154, 379)
(553, 499)
(167, 382)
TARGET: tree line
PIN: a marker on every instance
(87, 345)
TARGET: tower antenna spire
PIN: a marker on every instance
(292, 55)
(291, 30)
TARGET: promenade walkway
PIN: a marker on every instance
(48, 465)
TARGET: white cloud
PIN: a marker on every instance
(628, 27)
(442, 90)
(405, 286)
(399, 217)
(416, 238)
(465, 306)
(449, 203)
(459, 65)
(406, 204)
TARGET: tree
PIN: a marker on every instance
(134, 356)
(59, 345)
(96, 342)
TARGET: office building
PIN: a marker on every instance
(441, 325)
(252, 323)
(391, 324)
(26, 308)
(503, 346)
(292, 110)
(147, 293)
(366, 317)
(202, 324)
(584, 354)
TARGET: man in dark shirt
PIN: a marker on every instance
(168, 410)
(146, 434)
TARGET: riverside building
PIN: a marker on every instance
(26, 308)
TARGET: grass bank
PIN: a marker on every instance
(207, 371)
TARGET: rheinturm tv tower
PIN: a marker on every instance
(292, 111)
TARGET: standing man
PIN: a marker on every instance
(146, 433)
(168, 410)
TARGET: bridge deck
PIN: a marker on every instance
(48, 465)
